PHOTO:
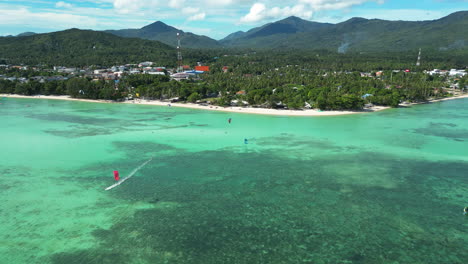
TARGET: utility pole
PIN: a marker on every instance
(418, 63)
(179, 54)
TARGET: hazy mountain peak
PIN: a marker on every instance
(355, 20)
(25, 34)
(293, 18)
(159, 27)
(167, 34)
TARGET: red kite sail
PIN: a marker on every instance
(120, 181)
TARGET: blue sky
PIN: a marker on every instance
(213, 18)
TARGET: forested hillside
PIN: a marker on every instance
(76, 47)
(357, 34)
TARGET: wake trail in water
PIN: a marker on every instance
(130, 175)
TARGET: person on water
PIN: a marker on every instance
(465, 211)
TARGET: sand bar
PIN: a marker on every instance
(234, 109)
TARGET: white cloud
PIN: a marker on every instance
(190, 10)
(317, 5)
(304, 9)
(176, 3)
(259, 12)
(219, 2)
(130, 6)
(256, 13)
(196, 17)
(62, 4)
(50, 20)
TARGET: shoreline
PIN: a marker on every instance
(232, 109)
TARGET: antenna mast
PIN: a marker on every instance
(418, 63)
(179, 54)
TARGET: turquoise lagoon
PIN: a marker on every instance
(386, 187)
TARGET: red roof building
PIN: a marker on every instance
(202, 68)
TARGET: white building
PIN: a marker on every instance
(100, 71)
(156, 73)
(458, 73)
(452, 72)
(145, 64)
(180, 76)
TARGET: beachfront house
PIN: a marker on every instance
(145, 64)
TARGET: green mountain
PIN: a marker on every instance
(76, 47)
(357, 34)
(25, 34)
(167, 34)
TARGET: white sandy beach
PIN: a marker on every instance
(246, 110)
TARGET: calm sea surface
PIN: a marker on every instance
(385, 187)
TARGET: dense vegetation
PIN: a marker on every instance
(75, 87)
(84, 48)
(76, 47)
(321, 79)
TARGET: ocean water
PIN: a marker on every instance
(386, 187)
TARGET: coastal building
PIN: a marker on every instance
(56, 78)
(202, 68)
(155, 73)
(119, 73)
(135, 71)
(452, 72)
(66, 70)
(194, 72)
(366, 74)
(100, 71)
(145, 64)
(180, 76)
(455, 72)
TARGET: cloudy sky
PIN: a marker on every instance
(213, 18)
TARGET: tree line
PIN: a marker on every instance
(295, 80)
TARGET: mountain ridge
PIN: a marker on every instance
(357, 34)
(167, 34)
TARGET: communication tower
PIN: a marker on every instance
(418, 63)
(179, 54)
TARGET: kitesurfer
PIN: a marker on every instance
(465, 211)
(246, 141)
(229, 120)
(116, 175)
